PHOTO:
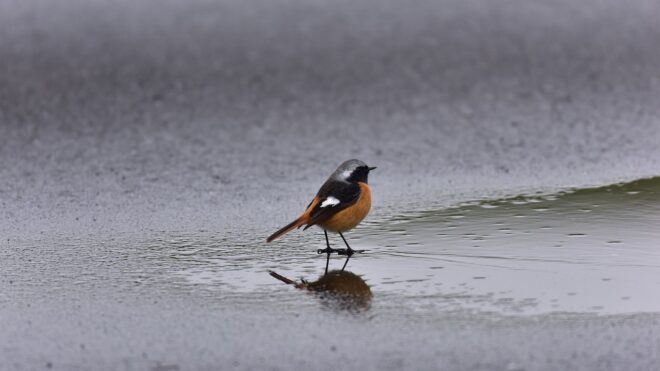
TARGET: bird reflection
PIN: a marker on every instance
(341, 290)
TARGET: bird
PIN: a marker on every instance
(341, 203)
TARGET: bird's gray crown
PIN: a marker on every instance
(345, 170)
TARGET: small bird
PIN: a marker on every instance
(340, 205)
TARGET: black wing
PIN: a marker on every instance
(334, 196)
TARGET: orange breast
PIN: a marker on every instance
(351, 216)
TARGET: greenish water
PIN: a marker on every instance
(587, 250)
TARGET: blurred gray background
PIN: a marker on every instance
(125, 115)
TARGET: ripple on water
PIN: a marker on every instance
(572, 240)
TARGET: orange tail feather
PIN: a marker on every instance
(286, 229)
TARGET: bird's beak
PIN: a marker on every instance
(371, 168)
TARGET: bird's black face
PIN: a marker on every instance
(360, 174)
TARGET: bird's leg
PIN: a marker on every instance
(327, 259)
(349, 251)
(328, 250)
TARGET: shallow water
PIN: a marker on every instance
(589, 250)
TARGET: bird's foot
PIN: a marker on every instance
(347, 252)
(327, 250)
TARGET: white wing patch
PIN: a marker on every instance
(330, 201)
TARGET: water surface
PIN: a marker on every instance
(590, 250)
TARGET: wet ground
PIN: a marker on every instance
(148, 148)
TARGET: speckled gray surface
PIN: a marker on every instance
(147, 148)
(137, 114)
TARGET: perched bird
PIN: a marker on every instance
(340, 205)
